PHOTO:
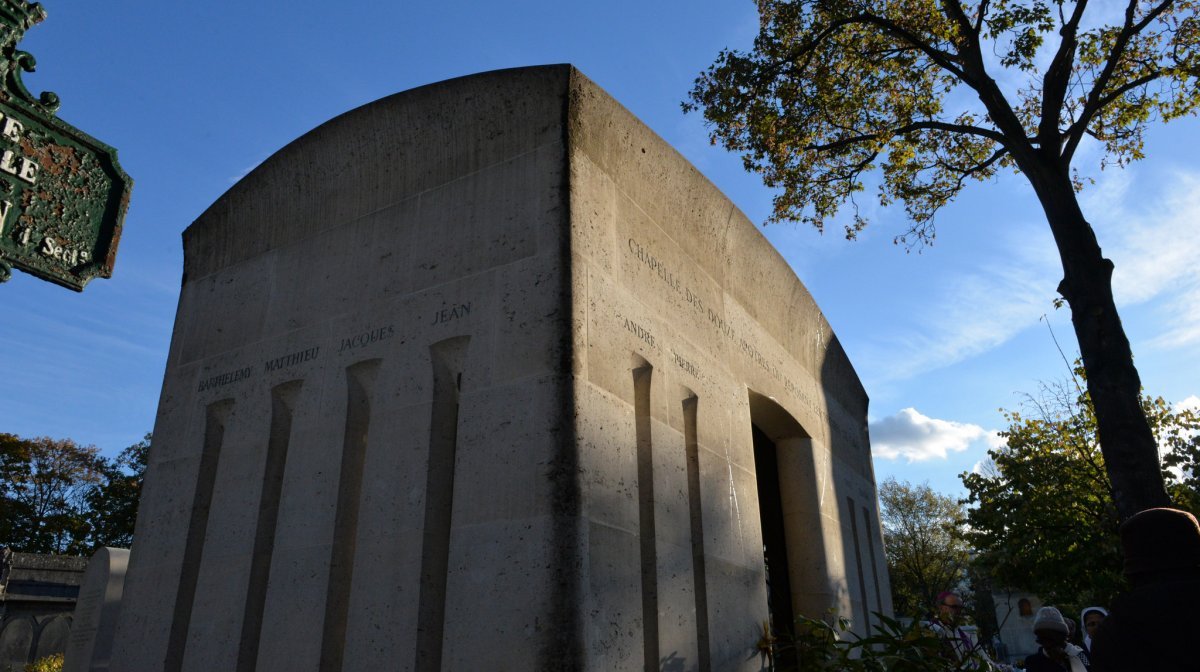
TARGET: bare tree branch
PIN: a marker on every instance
(929, 125)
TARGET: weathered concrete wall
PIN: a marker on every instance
(430, 216)
(465, 379)
(669, 275)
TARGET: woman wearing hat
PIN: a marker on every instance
(1053, 655)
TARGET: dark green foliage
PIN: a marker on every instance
(828, 646)
(923, 543)
(919, 98)
(59, 497)
(113, 504)
(1042, 516)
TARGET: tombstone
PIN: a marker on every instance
(37, 594)
(53, 637)
(484, 375)
(95, 623)
(16, 643)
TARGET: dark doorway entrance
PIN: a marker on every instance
(770, 511)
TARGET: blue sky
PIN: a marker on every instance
(194, 95)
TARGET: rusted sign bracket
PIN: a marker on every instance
(63, 195)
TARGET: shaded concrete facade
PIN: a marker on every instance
(484, 375)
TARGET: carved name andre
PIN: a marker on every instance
(638, 330)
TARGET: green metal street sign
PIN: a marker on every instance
(62, 195)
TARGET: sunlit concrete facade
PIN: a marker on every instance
(484, 375)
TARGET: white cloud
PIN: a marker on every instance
(1148, 232)
(917, 437)
(1190, 403)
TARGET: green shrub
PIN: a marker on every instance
(829, 645)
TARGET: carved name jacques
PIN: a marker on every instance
(366, 338)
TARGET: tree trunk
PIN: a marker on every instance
(1129, 449)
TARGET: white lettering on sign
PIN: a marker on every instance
(51, 248)
(19, 166)
(12, 128)
(5, 208)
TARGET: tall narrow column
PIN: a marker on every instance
(360, 383)
(283, 400)
(448, 359)
(216, 417)
(646, 530)
(862, 582)
(699, 572)
(870, 529)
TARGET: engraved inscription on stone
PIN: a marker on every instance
(686, 365)
(224, 379)
(366, 338)
(292, 359)
(639, 331)
(452, 313)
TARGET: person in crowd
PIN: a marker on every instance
(958, 645)
(999, 648)
(1072, 648)
(1054, 654)
(1091, 618)
(945, 624)
(1152, 628)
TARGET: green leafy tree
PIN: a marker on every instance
(834, 89)
(59, 497)
(1042, 515)
(113, 504)
(925, 550)
(45, 486)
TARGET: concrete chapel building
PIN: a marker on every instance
(485, 376)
